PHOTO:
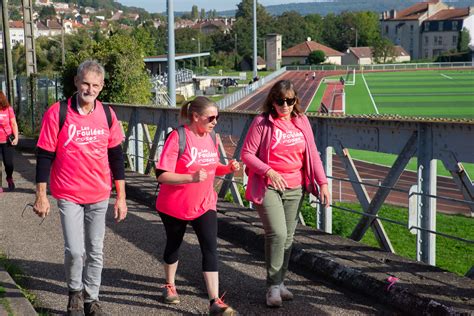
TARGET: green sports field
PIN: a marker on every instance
(434, 93)
(429, 93)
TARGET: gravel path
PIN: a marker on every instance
(133, 276)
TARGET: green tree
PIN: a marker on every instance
(15, 14)
(194, 12)
(314, 26)
(316, 57)
(47, 13)
(126, 80)
(296, 33)
(330, 32)
(243, 27)
(383, 50)
(203, 14)
(464, 39)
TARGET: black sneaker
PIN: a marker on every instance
(93, 309)
(75, 306)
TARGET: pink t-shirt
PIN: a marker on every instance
(5, 126)
(191, 200)
(80, 171)
(287, 152)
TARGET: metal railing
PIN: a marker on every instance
(239, 95)
(404, 66)
(428, 140)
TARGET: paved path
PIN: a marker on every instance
(133, 275)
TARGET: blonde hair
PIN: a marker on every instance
(198, 105)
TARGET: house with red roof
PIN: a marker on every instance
(427, 29)
(298, 54)
(364, 56)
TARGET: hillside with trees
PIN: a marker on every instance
(336, 7)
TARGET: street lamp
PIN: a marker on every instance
(355, 29)
(199, 50)
(63, 57)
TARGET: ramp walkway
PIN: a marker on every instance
(330, 275)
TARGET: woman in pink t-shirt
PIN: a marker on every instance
(283, 163)
(187, 196)
(8, 127)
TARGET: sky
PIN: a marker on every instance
(153, 6)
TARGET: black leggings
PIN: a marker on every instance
(205, 228)
(7, 154)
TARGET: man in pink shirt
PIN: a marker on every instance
(82, 153)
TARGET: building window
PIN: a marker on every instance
(454, 25)
(411, 28)
(455, 40)
(440, 40)
(427, 26)
(426, 53)
(386, 29)
(411, 42)
(427, 39)
(440, 26)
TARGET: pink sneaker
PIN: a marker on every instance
(11, 184)
(170, 295)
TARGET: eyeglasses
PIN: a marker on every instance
(211, 119)
(289, 101)
(31, 205)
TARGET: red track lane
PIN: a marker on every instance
(342, 190)
(305, 88)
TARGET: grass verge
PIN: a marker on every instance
(20, 279)
(451, 255)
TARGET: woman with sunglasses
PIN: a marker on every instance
(283, 163)
(187, 196)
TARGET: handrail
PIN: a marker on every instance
(235, 97)
(383, 66)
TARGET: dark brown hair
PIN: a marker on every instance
(279, 90)
(3, 101)
(198, 105)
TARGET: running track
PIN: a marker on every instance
(370, 173)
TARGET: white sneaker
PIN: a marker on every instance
(285, 294)
(273, 296)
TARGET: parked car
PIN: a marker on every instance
(229, 82)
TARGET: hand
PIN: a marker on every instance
(324, 195)
(15, 141)
(120, 209)
(200, 175)
(41, 206)
(277, 180)
(233, 166)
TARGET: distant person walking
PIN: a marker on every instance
(314, 75)
(8, 138)
(187, 196)
(283, 163)
(82, 156)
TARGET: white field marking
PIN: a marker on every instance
(370, 95)
(448, 77)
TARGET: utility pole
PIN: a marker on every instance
(30, 50)
(63, 54)
(171, 55)
(254, 38)
(7, 50)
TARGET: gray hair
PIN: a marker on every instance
(90, 65)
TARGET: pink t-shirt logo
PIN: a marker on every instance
(85, 135)
(202, 157)
(289, 138)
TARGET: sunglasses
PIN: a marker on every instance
(211, 119)
(289, 101)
